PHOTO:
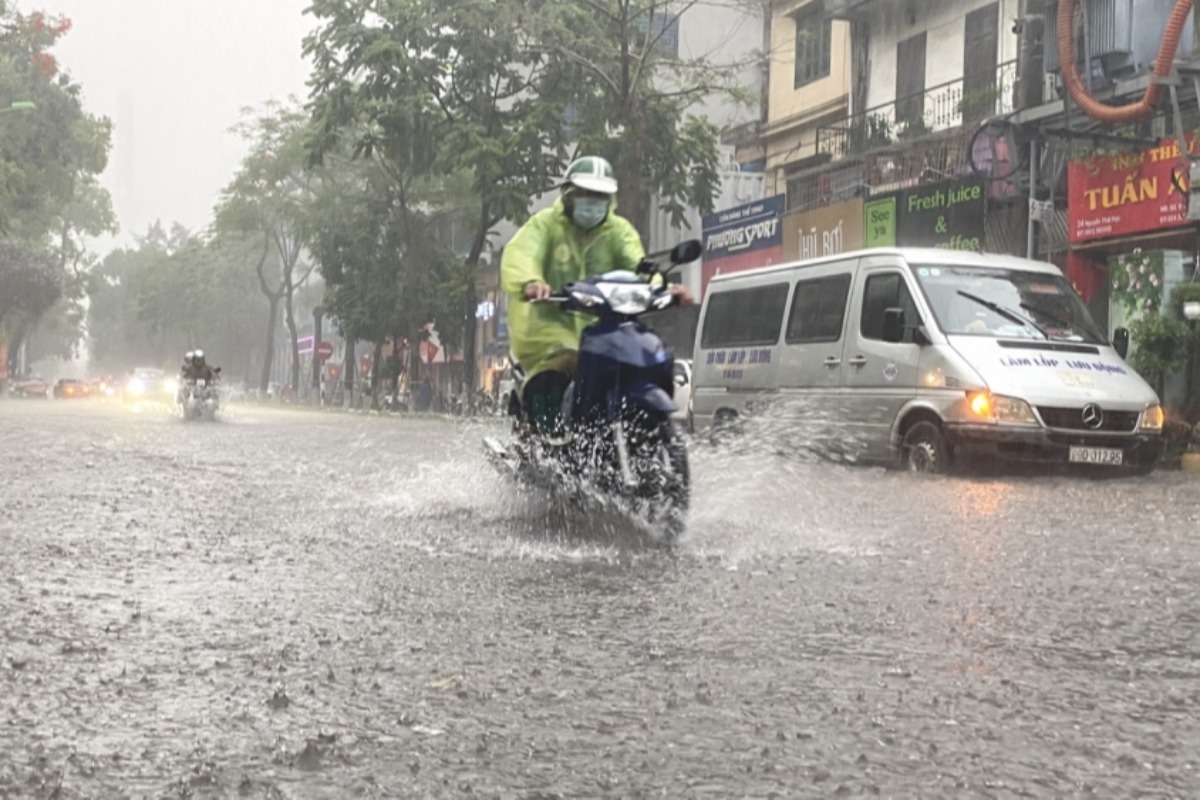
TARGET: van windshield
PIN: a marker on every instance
(1006, 304)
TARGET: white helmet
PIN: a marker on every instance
(592, 174)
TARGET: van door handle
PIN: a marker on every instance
(858, 361)
(832, 361)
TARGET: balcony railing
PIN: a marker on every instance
(971, 98)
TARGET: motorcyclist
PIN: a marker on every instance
(202, 370)
(579, 236)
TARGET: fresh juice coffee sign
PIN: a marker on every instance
(946, 215)
(1118, 194)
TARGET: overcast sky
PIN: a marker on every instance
(173, 75)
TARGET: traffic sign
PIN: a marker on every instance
(324, 350)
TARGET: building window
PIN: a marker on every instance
(910, 80)
(661, 26)
(814, 37)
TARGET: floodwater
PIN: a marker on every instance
(288, 604)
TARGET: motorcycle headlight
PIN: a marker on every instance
(171, 386)
(627, 298)
(1153, 418)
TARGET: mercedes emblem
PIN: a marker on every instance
(1093, 417)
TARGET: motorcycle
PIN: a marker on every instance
(200, 399)
(621, 443)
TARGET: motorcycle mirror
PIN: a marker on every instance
(686, 252)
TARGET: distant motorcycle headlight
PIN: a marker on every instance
(627, 298)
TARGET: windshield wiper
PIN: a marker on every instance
(1007, 313)
(1048, 314)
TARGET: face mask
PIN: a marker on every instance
(589, 212)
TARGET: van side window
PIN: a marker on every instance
(818, 310)
(883, 292)
(744, 317)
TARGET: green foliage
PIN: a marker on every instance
(1137, 281)
(173, 292)
(1162, 345)
(30, 281)
(633, 102)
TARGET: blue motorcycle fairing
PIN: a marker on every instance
(625, 342)
(650, 396)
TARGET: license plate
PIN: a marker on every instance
(1097, 455)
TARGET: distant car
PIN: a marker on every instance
(147, 385)
(33, 387)
(71, 389)
(683, 392)
(103, 388)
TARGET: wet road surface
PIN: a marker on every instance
(296, 605)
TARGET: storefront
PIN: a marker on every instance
(741, 238)
(1131, 243)
(823, 231)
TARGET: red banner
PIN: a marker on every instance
(710, 268)
(1118, 194)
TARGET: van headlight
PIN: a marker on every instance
(1153, 418)
(999, 408)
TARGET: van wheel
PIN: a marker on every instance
(925, 450)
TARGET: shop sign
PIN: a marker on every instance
(743, 237)
(1119, 194)
(946, 215)
(880, 222)
(825, 231)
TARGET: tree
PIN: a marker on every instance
(30, 281)
(631, 100)
(450, 97)
(176, 291)
(269, 198)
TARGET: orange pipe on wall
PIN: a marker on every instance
(1162, 66)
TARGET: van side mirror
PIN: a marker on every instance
(1120, 341)
(681, 380)
(893, 325)
(686, 252)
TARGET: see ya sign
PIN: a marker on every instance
(1117, 194)
(946, 215)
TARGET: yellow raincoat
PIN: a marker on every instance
(552, 249)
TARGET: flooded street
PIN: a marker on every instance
(288, 604)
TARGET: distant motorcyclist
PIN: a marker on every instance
(201, 369)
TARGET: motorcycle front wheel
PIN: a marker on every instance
(659, 460)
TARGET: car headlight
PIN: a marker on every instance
(1153, 418)
(627, 298)
(136, 386)
(171, 386)
(999, 408)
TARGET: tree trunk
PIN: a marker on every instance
(349, 367)
(290, 319)
(270, 354)
(377, 355)
(634, 203)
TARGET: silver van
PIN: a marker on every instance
(916, 357)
